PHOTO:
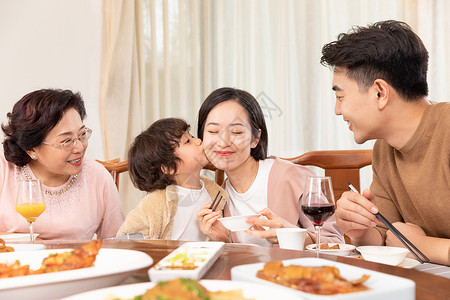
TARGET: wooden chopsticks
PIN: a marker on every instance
(397, 233)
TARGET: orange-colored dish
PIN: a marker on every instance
(4, 248)
(324, 280)
(327, 246)
(81, 257)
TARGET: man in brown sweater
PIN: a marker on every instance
(380, 83)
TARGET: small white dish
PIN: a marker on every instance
(344, 249)
(383, 254)
(190, 260)
(26, 247)
(237, 223)
(17, 237)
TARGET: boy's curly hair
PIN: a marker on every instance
(153, 150)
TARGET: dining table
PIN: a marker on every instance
(428, 286)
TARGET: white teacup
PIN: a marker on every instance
(291, 238)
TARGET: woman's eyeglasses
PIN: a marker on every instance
(69, 144)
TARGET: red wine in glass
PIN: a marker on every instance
(318, 214)
(317, 203)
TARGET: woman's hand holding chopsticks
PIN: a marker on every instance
(207, 221)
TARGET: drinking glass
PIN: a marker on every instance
(317, 203)
(30, 202)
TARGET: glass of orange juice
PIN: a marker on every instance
(30, 202)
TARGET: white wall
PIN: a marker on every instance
(52, 44)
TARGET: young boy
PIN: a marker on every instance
(165, 161)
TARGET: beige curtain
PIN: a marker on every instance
(177, 38)
(270, 48)
(431, 21)
(122, 88)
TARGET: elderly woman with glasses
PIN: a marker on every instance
(46, 139)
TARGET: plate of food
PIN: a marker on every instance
(50, 274)
(333, 248)
(316, 278)
(191, 260)
(214, 289)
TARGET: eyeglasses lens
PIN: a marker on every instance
(83, 138)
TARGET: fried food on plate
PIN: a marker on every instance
(324, 280)
(81, 257)
(4, 248)
(326, 246)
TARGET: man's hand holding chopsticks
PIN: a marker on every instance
(355, 216)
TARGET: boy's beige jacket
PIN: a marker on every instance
(153, 216)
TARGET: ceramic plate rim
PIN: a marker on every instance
(26, 247)
(17, 237)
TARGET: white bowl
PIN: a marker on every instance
(237, 223)
(383, 254)
(344, 249)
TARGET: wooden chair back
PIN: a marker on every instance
(115, 167)
(343, 166)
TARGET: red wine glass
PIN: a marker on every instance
(317, 203)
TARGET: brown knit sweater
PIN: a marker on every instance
(412, 184)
